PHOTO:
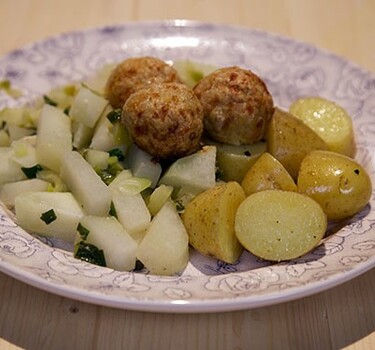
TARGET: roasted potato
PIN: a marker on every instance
(267, 173)
(289, 140)
(338, 183)
(209, 221)
(330, 121)
(279, 225)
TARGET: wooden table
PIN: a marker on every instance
(343, 317)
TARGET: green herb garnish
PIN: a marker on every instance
(115, 115)
(83, 231)
(112, 210)
(32, 171)
(116, 152)
(89, 253)
(49, 101)
(49, 216)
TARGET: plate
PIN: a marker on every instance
(291, 69)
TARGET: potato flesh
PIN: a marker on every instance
(338, 183)
(279, 225)
(209, 222)
(267, 173)
(330, 121)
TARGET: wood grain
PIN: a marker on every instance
(343, 317)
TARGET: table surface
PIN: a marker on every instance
(342, 317)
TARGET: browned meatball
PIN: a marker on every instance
(237, 105)
(165, 120)
(135, 73)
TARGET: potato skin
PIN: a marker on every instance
(289, 140)
(209, 222)
(267, 173)
(279, 225)
(338, 183)
(237, 105)
(135, 73)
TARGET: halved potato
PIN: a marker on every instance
(337, 182)
(209, 221)
(289, 140)
(330, 121)
(279, 225)
(267, 173)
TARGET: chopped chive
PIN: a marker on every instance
(67, 110)
(138, 265)
(89, 253)
(83, 231)
(32, 171)
(49, 216)
(112, 210)
(115, 115)
(116, 152)
(49, 101)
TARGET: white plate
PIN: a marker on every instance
(291, 69)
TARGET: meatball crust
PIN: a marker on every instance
(237, 105)
(165, 120)
(135, 73)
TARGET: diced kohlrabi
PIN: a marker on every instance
(103, 138)
(24, 153)
(12, 189)
(143, 165)
(165, 248)
(131, 209)
(54, 137)
(98, 81)
(53, 214)
(97, 159)
(158, 198)
(10, 171)
(107, 234)
(195, 172)
(82, 135)
(18, 132)
(87, 107)
(86, 185)
(5, 140)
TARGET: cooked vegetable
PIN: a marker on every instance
(267, 173)
(289, 140)
(195, 172)
(165, 248)
(209, 221)
(338, 183)
(54, 137)
(30, 206)
(330, 121)
(9, 170)
(235, 161)
(108, 235)
(279, 225)
(87, 187)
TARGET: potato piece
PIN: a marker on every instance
(267, 173)
(279, 225)
(338, 183)
(289, 140)
(235, 161)
(330, 121)
(209, 221)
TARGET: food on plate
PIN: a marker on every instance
(289, 140)
(338, 183)
(209, 221)
(165, 120)
(132, 170)
(134, 73)
(329, 120)
(237, 105)
(235, 161)
(267, 173)
(279, 225)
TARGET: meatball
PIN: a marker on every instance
(237, 105)
(165, 120)
(135, 73)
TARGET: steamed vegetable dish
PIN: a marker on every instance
(144, 160)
